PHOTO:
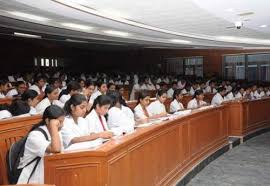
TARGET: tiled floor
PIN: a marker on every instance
(245, 165)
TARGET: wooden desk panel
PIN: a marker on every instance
(156, 155)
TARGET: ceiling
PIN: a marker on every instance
(147, 24)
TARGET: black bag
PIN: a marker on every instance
(15, 153)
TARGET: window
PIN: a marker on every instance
(48, 62)
(191, 66)
(252, 67)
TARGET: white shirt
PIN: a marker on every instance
(94, 124)
(192, 104)
(128, 112)
(43, 104)
(156, 108)
(119, 122)
(268, 93)
(229, 97)
(94, 96)
(2, 95)
(5, 114)
(208, 90)
(72, 130)
(135, 89)
(217, 99)
(36, 145)
(12, 92)
(35, 88)
(64, 98)
(170, 93)
(238, 95)
(139, 113)
(175, 106)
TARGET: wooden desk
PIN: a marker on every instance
(7, 101)
(248, 116)
(156, 155)
(12, 130)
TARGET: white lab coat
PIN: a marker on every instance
(94, 124)
(71, 130)
(136, 88)
(192, 104)
(43, 104)
(94, 96)
(156, 108)
(175, 106)
(208, 90)
(119, 122)
(36, 145)
(238, 95)
(64, 98)
(128, 112)
(217, 99)
(229, 97)
(139, 113)
(36, 88)
(170, 93)
(12, 92)
(5, 114)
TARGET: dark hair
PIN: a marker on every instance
(161, 92)
(100, 83)
(101, 101)
(142, 94)
(53, 80)
(49, 89)
(51, 112)
(19, 107)
(73, 85)
(89, 83)
(176, 93)
(74, 100)
(220, 89)
(3, 82)
(18, 83)
(29, 94)
(111, 84)
(38, 78)
(115, 97)
(197, 93)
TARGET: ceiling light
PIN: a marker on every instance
(29, 16)
(26, 35)
(116, 33)
(76, 26)
(263, 26)
(180, 41)
(76, 41)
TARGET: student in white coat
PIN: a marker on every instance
(197, 100)
(4, 86)
(157, 108)
(239, 93)
(176, 104)
(31, 97)
(172, 89)
(101, 90)
(219, 96)
(18, 91)
(141, 111)
(37, 146)
(73, 87)
(211, 88)
(119, 121)
(76, 127)
(96, 118)
(39, 85)
(51, 98)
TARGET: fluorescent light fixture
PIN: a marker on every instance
(116, 33)
(76, 26)
(243, 40)
(29, 16)
(26, 35)
(76, 41)
(180, 41)
(263, 26)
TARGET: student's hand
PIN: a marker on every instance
(54, 124)
(106, 134)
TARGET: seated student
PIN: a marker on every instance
(111, 87)
(267, 91)
(254, 92)
(89, 89)
(247, 94)
(229, 95)
(137, 87)
(121, 90)
(39, 85)
(172, 89)
(176, 104)
(76, 128)
(51, 98)
(120, 118)
(157, 107)
(141, 111)
(239, 93)
(38, 146)
(31, 98)
(82, 83)
(197, 100)
(73, 87)
(219, 96)
(19, 108)
(101, 90)
(56, 83)
(260, 93)
(18, 91)
(4, 86)
(211, 88)
(4, 111)
(96, 118)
